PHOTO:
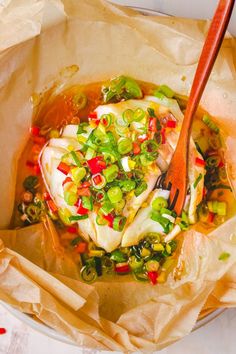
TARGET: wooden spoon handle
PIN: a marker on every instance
(207, 59)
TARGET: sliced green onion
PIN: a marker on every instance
(158, 247)
(140, 189)
(125, 146)
(166, 90)
(87, 202)
(145, 253)
(109, 157)
(121, 123)
(118, 256)
(64, 215)
(88, 274)
(152, 265)
(211, 125)
(119, 206)
(115, 194)
(106, 207)
(111, 173)
(78, 173)
(127, 163)
(159, 203)
(216, 207)
(127, 185)
(90, 153)
(96, 253)
(81, 128)
(122, 131)
(221, 208)
(119, 223)
(146, 159)
(138, 115)
(100, 220)
(135, 263)
(149, 146)
(33, 211)
(165, 211)
(75, 158)
(213, 161)
(106, 120)
(128, 115)
(30, 182)
(164, 222)
(198, 179)
(224, 256)
(139, 276)
(70, 198)
(78, 217)
(133, 89)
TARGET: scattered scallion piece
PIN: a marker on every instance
(125, 146)
(110, 173)
(114, 194)
(119, 223)
(224, 256)
(198, 179)
(75, 218)
(209, 122)
(166, 90)
(140, 189)
(159, 203)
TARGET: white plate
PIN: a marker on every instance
(51, 332)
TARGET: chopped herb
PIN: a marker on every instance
(81, 127)
(30, 183)
(151, 112)
(224, 256)
(198, 179)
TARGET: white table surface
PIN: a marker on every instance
(217, 337)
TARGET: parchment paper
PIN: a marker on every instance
(38, 39)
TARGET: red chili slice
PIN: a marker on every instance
(211, 217)
(81, 247)
(136, 148)
(96, 165)
(52, 206)
(93, 115)
(221, 164)
(163, 136)
(64, 168)
(97, 179)
(83, 192)
(171, 124)
(153, 277)
(81, 210)
(3, 330)
(46, 196)
(66, 180)
(122, 269)
(41, 140)
(34, 130)
(152, 124)
(110, 219)
(72, 229)
(200, 162)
